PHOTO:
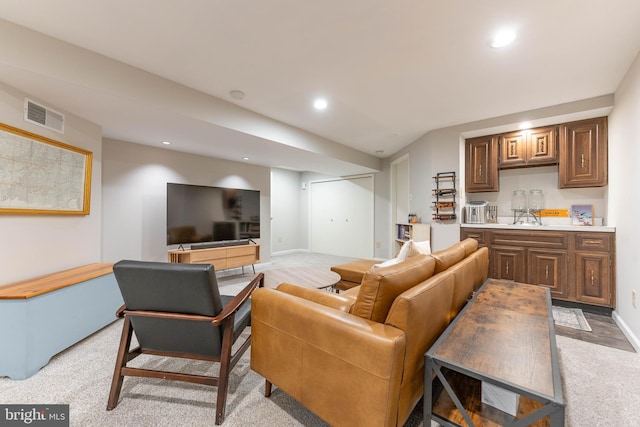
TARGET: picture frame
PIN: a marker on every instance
(582, 215)
(39, 175)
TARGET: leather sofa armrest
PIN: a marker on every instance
(327, 299)
(346, 337)
(327, 359)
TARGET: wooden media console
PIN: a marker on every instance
(221, 258)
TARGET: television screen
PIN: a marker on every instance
(197, 213)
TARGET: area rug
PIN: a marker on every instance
(571, 318)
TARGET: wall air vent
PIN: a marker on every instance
(43, 116)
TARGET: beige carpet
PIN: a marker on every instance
(602, 388)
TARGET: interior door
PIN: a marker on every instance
(341, 217)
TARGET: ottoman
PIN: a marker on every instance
(351, 273)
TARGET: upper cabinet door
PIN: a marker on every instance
(583, 154)
(534, 147)
(541, 146)
(513, 150)
(481, 165)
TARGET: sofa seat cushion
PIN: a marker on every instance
(381, 286)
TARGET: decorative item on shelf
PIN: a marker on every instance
(413, 218)
(492, 214)
(581, 214)
(527, 211)
(444, 193)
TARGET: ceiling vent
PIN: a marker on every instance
(43, 116)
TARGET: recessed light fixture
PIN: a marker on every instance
(525, 125)
(245, 158)
(166, 143)
(237, 94)
(320, 104)
(503, 38)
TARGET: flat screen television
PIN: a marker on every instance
(199, 214)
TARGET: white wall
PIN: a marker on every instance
(33, 245)
(134, 196)
(624, 196)
(285, 210)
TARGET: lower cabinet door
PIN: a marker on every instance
(508, 263)
(549, 268)
(593, 278)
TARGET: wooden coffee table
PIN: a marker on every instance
(308, 277)
(504, 337)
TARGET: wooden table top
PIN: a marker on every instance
(308, 277)
(29, 288)
(505, 333)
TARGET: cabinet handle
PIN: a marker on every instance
(480, 171)
(507, 272)
(582, 160)
(591, 242)
(546, 271)
(592, 277)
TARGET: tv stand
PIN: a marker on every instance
(223, 256)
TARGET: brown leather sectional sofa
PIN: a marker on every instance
(357, 358)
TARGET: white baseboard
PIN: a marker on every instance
(633, 339)
(289, 251)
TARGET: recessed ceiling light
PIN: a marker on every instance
(320, 104)
(525, 125)
(502, 38)
(237, 94)
(245, 158)
(166, 142)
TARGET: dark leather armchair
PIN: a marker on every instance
(176, 310)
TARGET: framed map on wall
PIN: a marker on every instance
(41, 176)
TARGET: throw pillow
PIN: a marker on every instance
(417, 248)
(387, 263)
(404, 251)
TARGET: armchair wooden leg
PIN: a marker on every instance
(267, 388)
(225, 366)
(121, 361)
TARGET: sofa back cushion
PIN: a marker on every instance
(445, 258)
(381, 286)
(470, 246)
(422, 312)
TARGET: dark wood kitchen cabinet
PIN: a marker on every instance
(583, 154)
(548, 267)
(508, 263)
(575, 266)
(594, 268)
(533, 147)
(481, 164)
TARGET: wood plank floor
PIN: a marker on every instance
(605, 332)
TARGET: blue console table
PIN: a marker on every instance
(42, 316)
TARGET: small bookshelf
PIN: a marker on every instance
(417, 232)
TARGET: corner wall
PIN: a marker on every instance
(286, 219)
(34, 245)
(624, 200)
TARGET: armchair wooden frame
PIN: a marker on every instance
(227, 358)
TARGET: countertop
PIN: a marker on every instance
(546, 227)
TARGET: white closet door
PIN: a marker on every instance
(341, 217)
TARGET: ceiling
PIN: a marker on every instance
(391, 71)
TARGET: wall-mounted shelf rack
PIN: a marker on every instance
(444, 194)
